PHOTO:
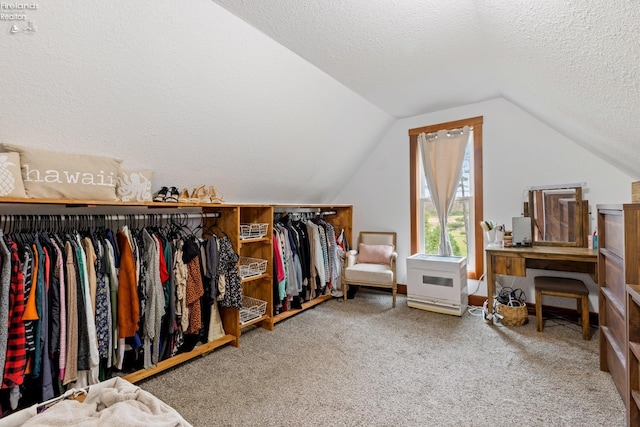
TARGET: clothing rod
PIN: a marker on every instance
(115, 217)
(296, 210)
(306, 215)
(41, 222)
(318, 211)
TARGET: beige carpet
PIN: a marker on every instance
(363, 364)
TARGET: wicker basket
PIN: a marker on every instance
(512, 316)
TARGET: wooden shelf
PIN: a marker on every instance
(610, 254)
(636, 397)
(635, 349)
(252, 278)
(634, 292)
(255, 240)
(619, 300)
(254, 321)
(179, 358)
(292, 312)
(83, 202)
(618, 305)
(612, 342)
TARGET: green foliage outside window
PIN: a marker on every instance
(457, 234)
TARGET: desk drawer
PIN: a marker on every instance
(507, 265)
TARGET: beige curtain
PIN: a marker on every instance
(442, 158)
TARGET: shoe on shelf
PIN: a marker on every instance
(200, 195)
(172, 195)
(184, 196)
(213, 196)
(161, 195)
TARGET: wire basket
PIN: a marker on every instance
(250, 267)
(253, 230)
(252, 308)
(512, 316)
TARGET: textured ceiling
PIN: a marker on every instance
(573, 65)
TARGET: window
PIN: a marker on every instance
(467, 209)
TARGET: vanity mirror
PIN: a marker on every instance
(559, 215)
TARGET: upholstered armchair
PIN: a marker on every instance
(373, 264)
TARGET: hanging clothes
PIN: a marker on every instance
(5, 293)
(128, 302)
(194, 291)
(59, 272)
(103, 304)
(228, 272)
(16, 355)
(71, 360)
(307, 260)
(155, 301)
(71, 298)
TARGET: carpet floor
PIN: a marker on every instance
(365, 364)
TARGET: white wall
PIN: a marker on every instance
(187, 89)
(518, 151)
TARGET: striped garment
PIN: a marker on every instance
(27, 270)
(16, 360)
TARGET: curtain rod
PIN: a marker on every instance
(449, 132)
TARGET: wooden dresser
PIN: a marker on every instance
(619, 300)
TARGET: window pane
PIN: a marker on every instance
(458, 225)
(460, 222)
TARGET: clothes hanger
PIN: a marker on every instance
(211, 228)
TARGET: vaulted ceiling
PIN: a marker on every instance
(574, 65)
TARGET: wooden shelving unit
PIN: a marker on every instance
(341, 218)
(619, 309)
(261, 287)
(231, 216)
(98, 206)
(633, 354)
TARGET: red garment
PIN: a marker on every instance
(16, 360)
(128, 303)
(278, 259)
(164, 273)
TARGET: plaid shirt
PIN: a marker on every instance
(16, 345)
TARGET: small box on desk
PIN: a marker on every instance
(635, 192)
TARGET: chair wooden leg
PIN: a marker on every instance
(586, 329)
(344, 291)
(394, 291)
(539, 310)
(579, 309)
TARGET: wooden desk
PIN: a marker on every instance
(515, 261)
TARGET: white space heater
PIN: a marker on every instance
(437, 283)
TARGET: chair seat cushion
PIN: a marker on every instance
(374, 273)
(560, 284)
